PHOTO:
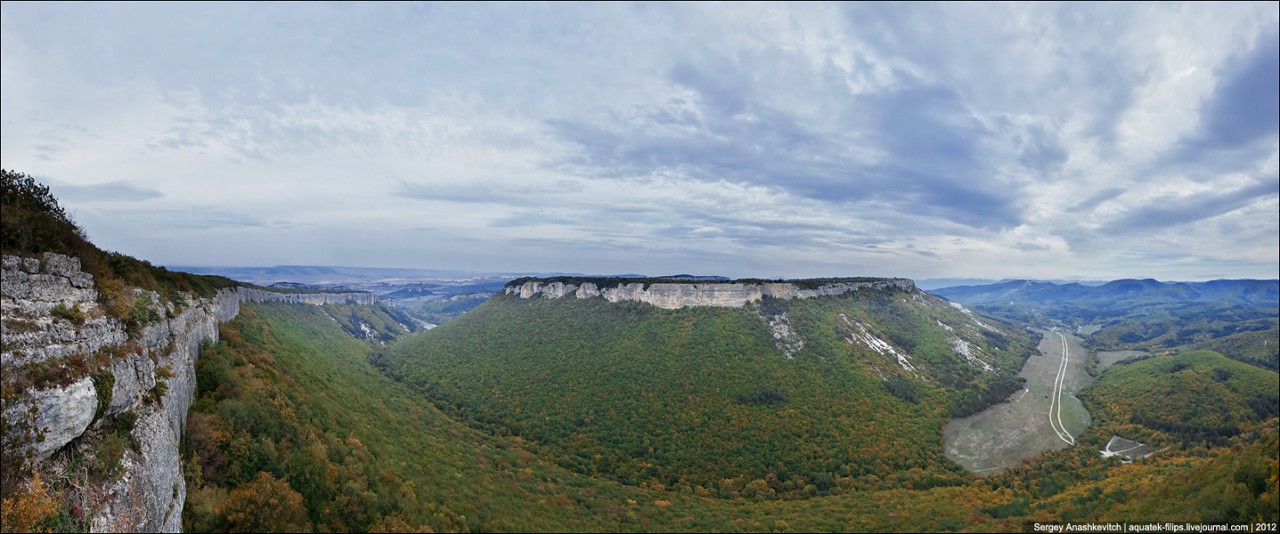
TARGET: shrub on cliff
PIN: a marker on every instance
(32, 222)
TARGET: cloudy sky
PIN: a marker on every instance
(989, 141)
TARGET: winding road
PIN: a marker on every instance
(1055, 403)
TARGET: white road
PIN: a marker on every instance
(1055, 402)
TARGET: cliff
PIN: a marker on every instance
(672, 296)
(249, 294)
(80, 368)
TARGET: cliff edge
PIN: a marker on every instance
(673, 295)
(77, 374)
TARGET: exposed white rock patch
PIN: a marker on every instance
(973, 317)
(970, 353)
(673, 296)
(784, 337)
(881, 346)
(944, 326)
(986, 326)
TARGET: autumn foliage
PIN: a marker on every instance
(264, 505)
(30, 509)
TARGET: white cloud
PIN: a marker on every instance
(992, 140)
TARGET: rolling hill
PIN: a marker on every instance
(1189, 397)
(1117, 293)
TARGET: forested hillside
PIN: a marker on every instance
(638, 394)
(294, 430)
(1194, 397)
(288, 390)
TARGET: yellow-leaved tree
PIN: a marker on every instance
(267, 504)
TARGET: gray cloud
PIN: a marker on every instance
(532, 218)
(1030, 247)
(117, 191)
(1093, 201)
(935, 164)
(1244, 108)
(485, 192)
(1172, 211)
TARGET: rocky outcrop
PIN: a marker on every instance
(32, 290)
(248, 294)
(64, 413)
(149, 496)
(672, 296)
(51, 316)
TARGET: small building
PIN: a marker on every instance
(1128, 450)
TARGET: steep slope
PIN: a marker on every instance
(289, 393)
(98, 359)
(79, 383)
(791, 394)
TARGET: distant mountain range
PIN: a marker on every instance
(1118, 292)
(1144, 314)
(328, 275)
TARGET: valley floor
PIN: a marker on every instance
(1003, 435)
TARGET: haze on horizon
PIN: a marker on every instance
(1068, 141)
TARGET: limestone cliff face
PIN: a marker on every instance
(51, 315)
(152, 374)
(248, 294)
(32, 288)
(672, 296)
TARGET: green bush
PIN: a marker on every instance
(71, 313)
(104, 384)
(107, 456)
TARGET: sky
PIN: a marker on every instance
(1011, 140)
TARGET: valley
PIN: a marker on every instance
(606, 404)
(1044, 416)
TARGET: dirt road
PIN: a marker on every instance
(1045, 416)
